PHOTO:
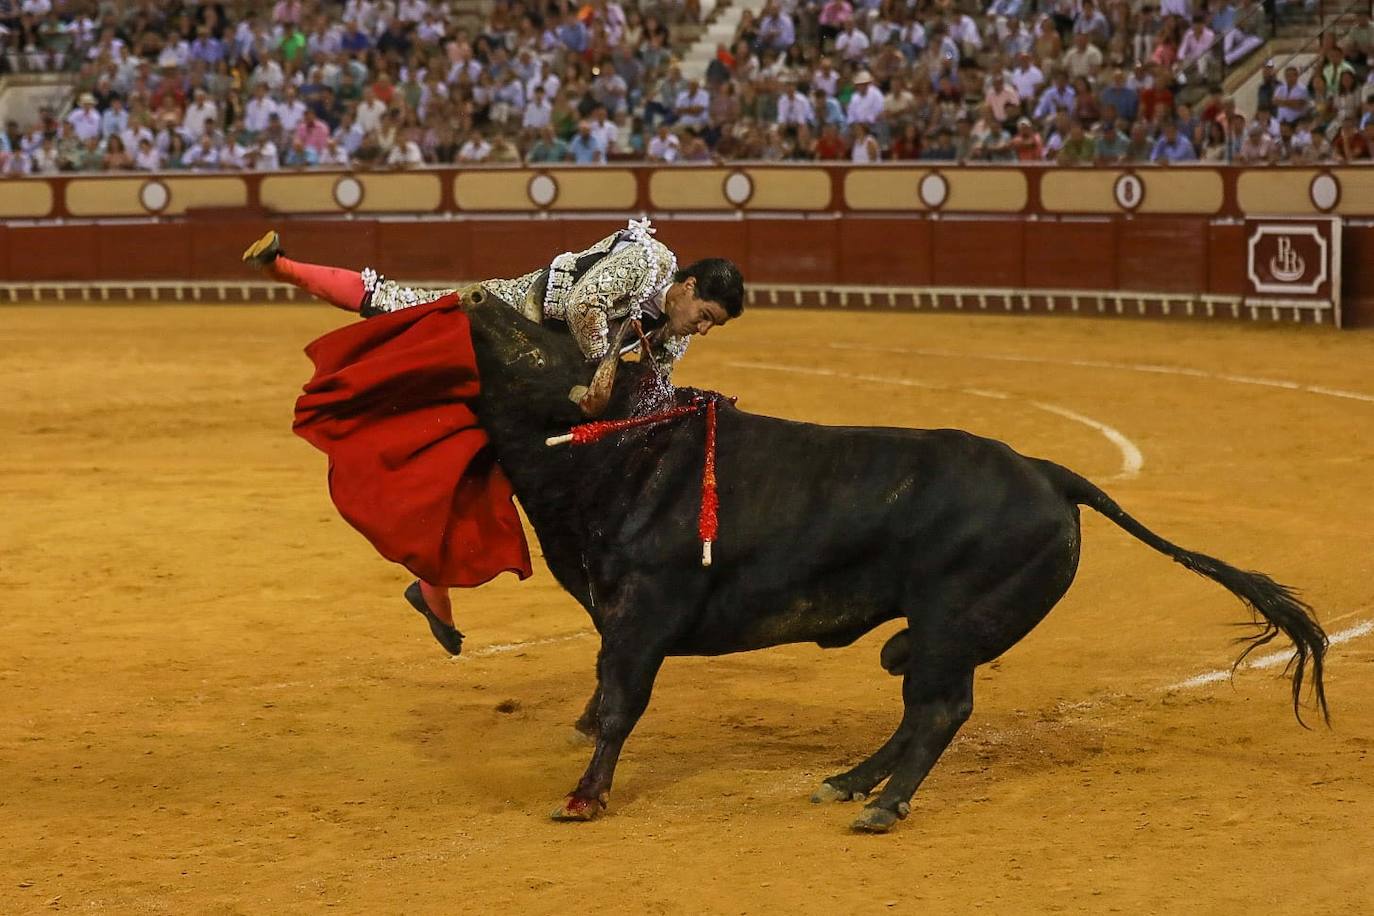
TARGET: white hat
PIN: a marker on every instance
(863, 77)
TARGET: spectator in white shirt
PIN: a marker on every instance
(259, 110)
(411, 10)
(1291, 98)
(851, 44)
(85, 120)
(45, 158)
(477, 149)
(406, 153)
(201, 110)
(866, 105)
(1026, 78)
(604, 129)
(147, 159)
(538, 112)
(370, 111)
(334, 155)
(691, 106)
(665, 146)
(795, 108)
(826, 78)
(203, 155)
(290, 109)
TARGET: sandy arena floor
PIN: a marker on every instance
(213, 699)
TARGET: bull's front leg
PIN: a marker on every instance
(626, 670)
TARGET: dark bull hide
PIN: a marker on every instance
(825, 533)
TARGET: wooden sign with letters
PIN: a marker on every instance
(1294, 264)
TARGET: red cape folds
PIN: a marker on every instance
(391, 405)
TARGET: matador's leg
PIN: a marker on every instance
(342, 288)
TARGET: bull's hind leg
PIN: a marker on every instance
(937, 704)
(857, 783)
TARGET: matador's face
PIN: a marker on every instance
(688, 314)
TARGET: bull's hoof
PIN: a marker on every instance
(577, 808)
(829, 792)
(874, 820)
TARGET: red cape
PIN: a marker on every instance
(391, 405)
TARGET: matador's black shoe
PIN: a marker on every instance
(446, 633)
(264, 251)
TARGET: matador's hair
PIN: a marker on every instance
(719, 281)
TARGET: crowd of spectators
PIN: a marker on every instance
(405, 83)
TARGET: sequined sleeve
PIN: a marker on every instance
(381, 295)
(616, 286)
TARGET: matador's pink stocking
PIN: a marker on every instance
(343, 288)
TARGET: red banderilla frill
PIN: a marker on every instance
(586, 433)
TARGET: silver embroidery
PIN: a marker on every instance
(560, 283)
(370, 279)
(390, 296)
(512, 292)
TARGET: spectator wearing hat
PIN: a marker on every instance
(866, 104)
(1264, 97)
(84, 119)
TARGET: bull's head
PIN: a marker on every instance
(537, 368)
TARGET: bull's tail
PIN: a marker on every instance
(1279, 606)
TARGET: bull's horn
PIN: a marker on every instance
(598, 395)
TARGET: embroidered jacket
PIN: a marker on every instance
(625, 275)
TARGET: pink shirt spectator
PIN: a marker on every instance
(836, 13)
(287, 11)
(312, 133)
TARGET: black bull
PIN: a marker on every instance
(825, 533)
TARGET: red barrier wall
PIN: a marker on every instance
(1148, 254)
